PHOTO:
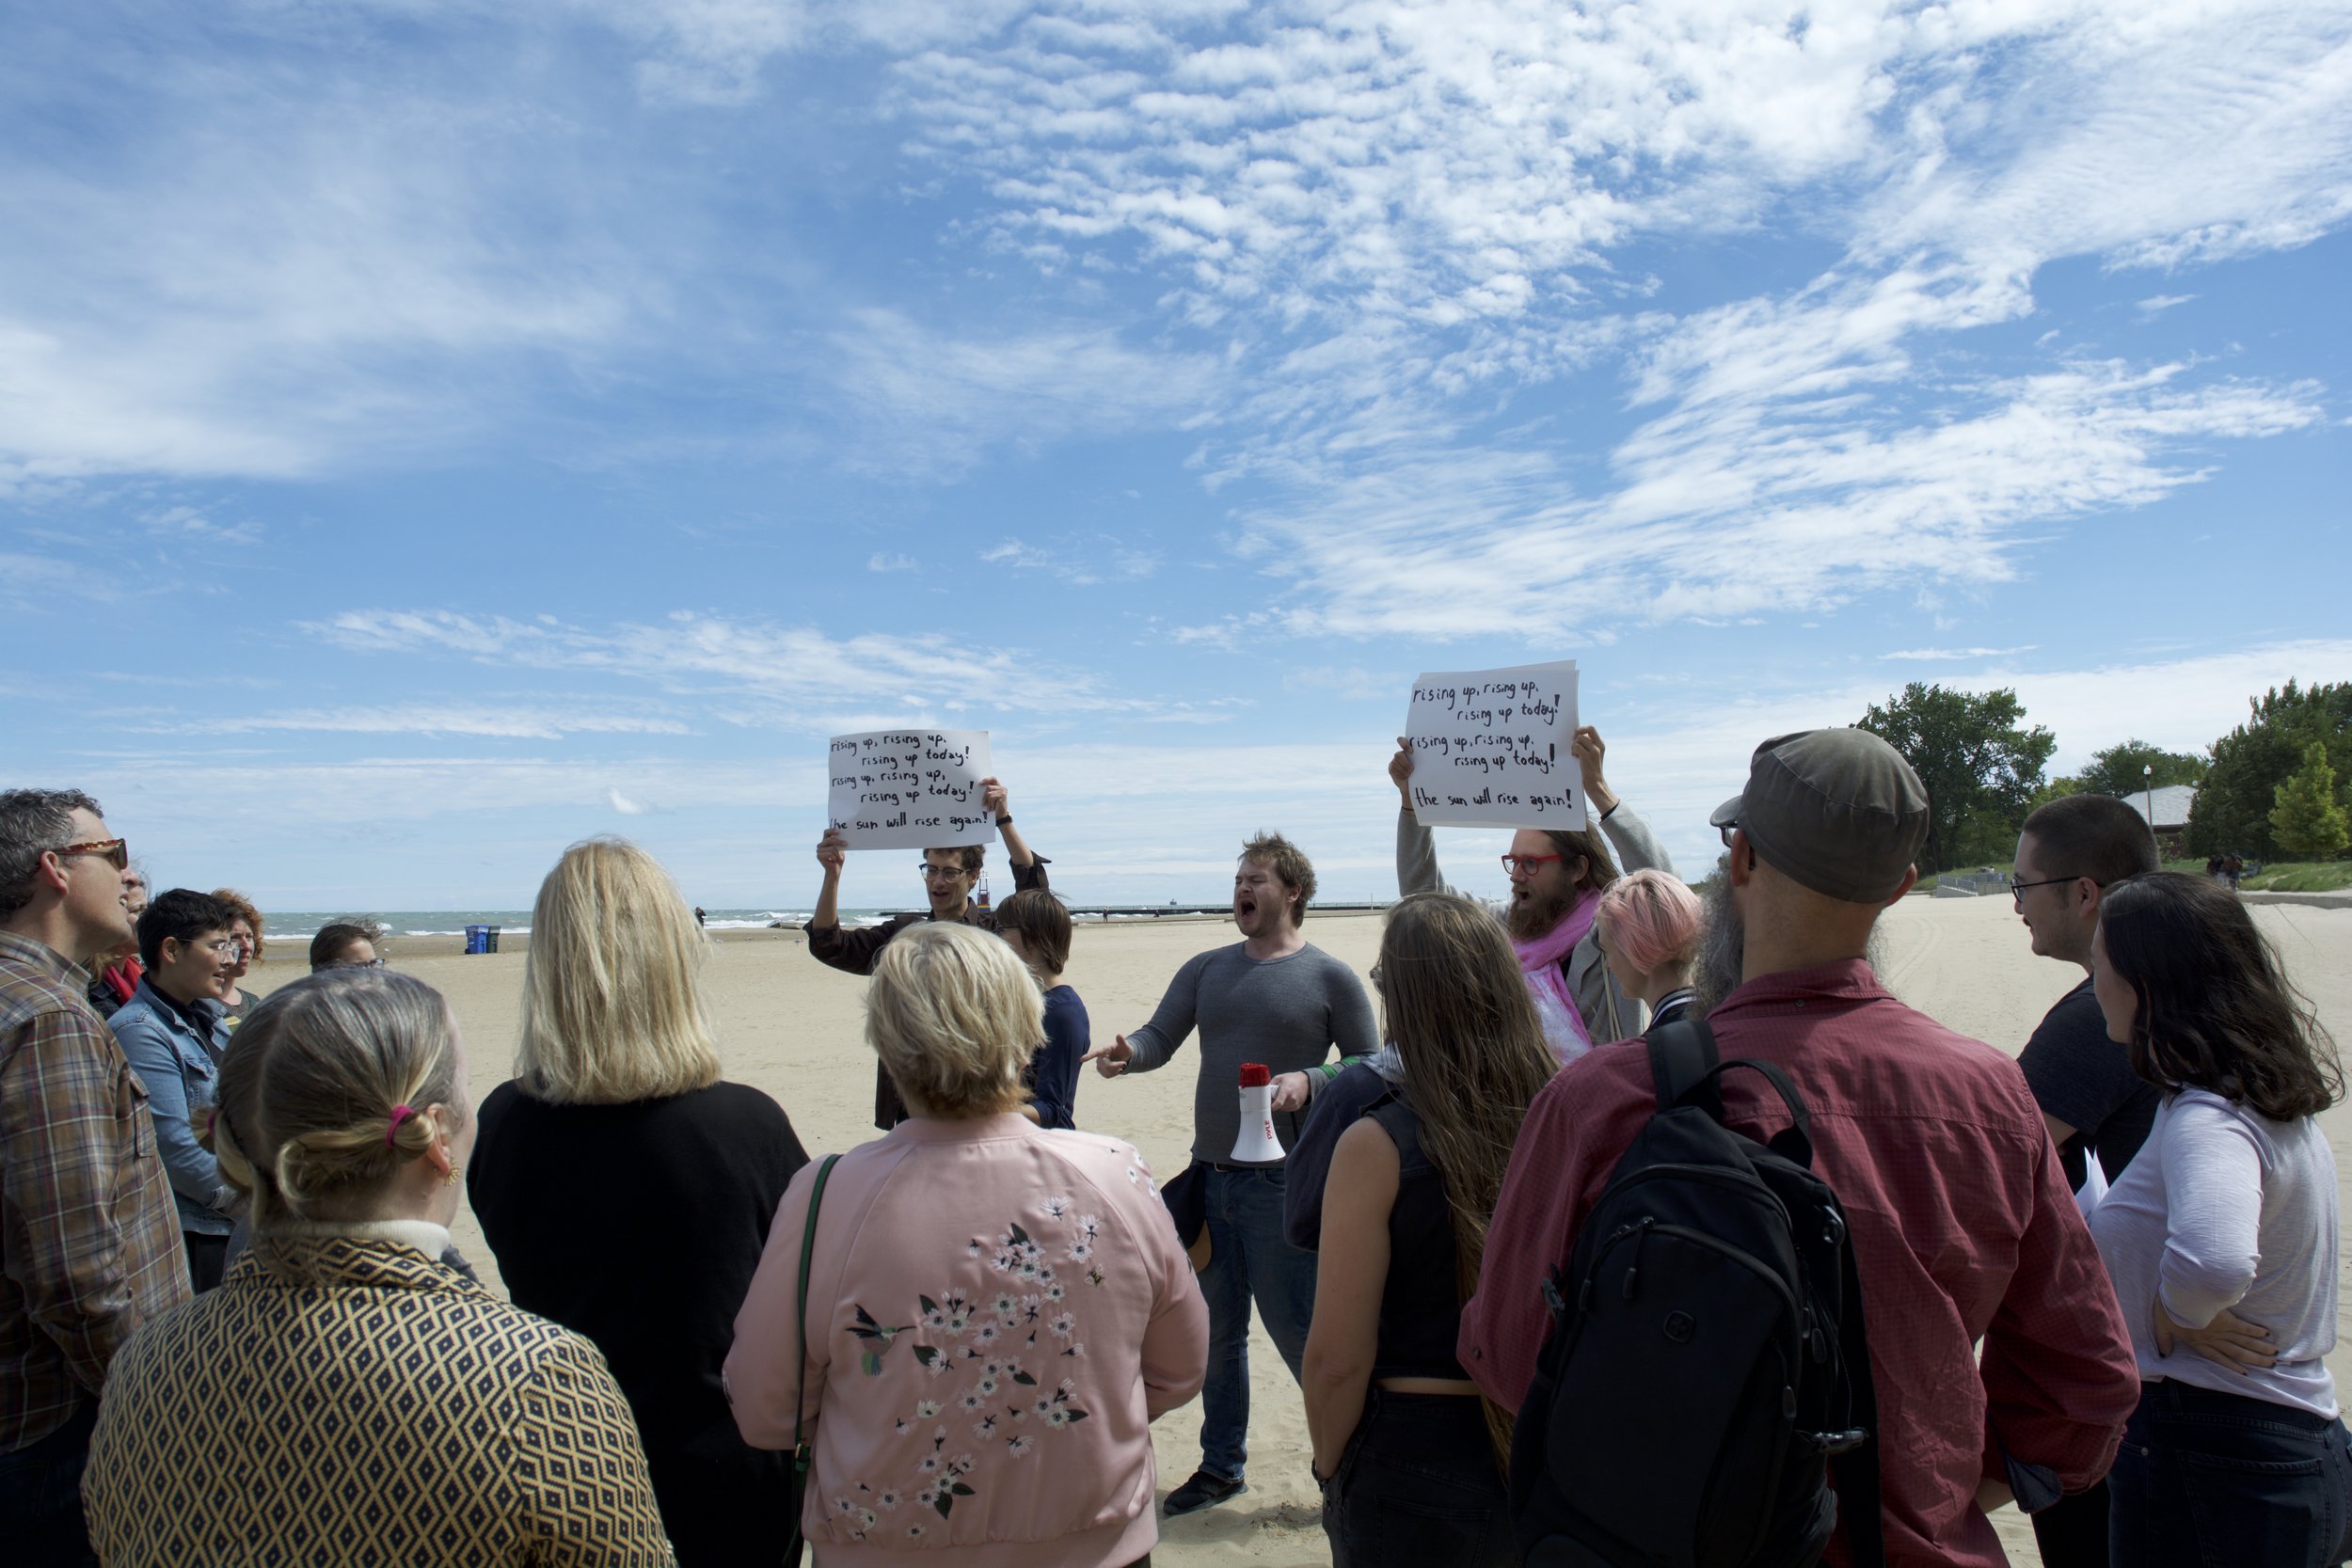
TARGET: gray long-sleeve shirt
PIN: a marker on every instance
(1608, 1014)
(1287, 1013)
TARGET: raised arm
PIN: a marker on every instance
(1416, 846)
(1636, 846)
(999, 806)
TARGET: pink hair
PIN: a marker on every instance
(1652, 919)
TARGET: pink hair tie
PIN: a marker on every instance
(400, 1114)
(212, 1120)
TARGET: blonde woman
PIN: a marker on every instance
(344, 1398)
(625, 1190)
(1410, 1459)
(997, 1311)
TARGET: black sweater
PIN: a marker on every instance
(639, 1225)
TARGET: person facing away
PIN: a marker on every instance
(344, 1397)
(949, 878)
(1556, 882)
(2222, 1240)
(1272, 998)
(997, 1311)
(119, 972)
(1036, 927)
(89, 1244)
(1410, 1458)
(1962, 1227)
(346, 944)
(617, 1071)
(1647, 927)
(171, 1030)
(245, 925)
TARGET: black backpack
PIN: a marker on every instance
(1707, 1356)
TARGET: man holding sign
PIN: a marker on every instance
(1557, 876)
(949, 875)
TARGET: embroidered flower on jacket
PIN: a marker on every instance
(1055, 1207)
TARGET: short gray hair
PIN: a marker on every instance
(32, 823)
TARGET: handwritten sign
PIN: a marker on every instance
(909, 790)
(1491, 748)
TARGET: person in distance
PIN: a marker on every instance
(344, 1399)
(346, 944)
(1036, 927)
(1410, 1458)
(996, 1311)
(244, 927)
(618, 1071)
(2222, 1237)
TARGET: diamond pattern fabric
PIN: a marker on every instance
(346, 1400)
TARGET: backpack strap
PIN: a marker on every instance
(1682, 1064)
(1855, 1473)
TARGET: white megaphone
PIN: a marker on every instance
(1257, 1144)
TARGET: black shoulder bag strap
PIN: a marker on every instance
(1855, 1472)
(1682, 1064)
(800, 1440)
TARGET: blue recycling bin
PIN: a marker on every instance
(482, 938)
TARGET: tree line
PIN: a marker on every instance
(2280, 785)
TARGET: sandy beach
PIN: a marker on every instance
(792, 1026)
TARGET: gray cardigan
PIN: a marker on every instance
(1608, 1014)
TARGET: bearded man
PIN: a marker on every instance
(1556, 883)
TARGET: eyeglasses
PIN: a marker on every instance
(1727, 830)
(220, 948)
(2017, 889)
(930, 873)
(115, 851)
(1514, 864)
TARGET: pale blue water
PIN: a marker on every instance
(292, 923)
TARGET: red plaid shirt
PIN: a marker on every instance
(90, 1242)
(1963, 1230)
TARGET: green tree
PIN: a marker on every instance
(2307, 817)
(2240, 787)
(2117, 770)
(1983, 768)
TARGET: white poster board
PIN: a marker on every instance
(1491, 748)
(909, 790)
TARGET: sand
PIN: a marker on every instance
(791, 1026)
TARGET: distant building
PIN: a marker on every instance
(2169, 817)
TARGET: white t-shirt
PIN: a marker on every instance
(2224, 1208)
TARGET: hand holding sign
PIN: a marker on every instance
(1492, 749)
(908, 789)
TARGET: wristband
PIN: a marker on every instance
(1005, 822)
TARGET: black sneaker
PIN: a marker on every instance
(1203, 1490)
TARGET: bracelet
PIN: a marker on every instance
(1005, 822)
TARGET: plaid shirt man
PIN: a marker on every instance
(89, 1244)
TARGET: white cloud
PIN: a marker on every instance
(2157, 304)
(493, 722)
(1946, 656)
(623, 805)
(890, 561)
(1081, 561)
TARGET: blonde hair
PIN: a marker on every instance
(242, 907)
(613, 1008)
(310, 1086)
(954, 1018)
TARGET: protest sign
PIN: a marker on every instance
(1491, 748)
(909, 790)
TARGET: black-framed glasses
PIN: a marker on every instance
(932, 873)
(2017, 889)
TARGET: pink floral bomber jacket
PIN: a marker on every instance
(997, 1313)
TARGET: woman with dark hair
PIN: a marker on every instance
(2220, 1237)
(346, 944)
(237, 1000)
(1411, 1459)
(1035, 925)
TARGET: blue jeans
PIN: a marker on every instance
(1249, 1259)
(40, 1497)
(1419, 1483)
(2207, 1480)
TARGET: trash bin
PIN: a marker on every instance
(478, 940)
(489, 939)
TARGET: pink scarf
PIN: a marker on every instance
(1541, 962)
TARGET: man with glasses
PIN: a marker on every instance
(88, 1246)
(174, 1032)
(2071, 851)
(1556, 883)
(949, 878)
(116, 982)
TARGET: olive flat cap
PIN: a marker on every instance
(1838, 811)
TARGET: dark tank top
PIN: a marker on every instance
(1420, 1316)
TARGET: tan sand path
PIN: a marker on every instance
(792, 1028)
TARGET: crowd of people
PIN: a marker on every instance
(2099, 1279)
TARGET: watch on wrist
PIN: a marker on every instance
(1005, 820)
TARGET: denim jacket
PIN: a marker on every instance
(180, 1069)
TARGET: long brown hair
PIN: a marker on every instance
(2214, 1011)
(1458, 1011)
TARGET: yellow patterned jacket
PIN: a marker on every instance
(349, 1399)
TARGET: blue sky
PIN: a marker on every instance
(432, 432)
